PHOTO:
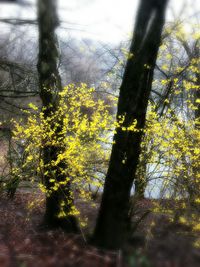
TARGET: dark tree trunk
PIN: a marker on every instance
(112, 224)
(50, 85)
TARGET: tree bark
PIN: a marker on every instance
(50, 86)
(112, 224)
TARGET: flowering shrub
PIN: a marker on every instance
(85, 135)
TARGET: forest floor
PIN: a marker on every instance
(24, 244)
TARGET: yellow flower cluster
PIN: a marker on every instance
(82, 127)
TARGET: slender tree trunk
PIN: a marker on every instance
(140, 181)
(193, 184)
(112, 224)
(50, 85)
(196, 170)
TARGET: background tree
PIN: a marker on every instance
(50, 86)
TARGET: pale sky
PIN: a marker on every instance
(105, 20)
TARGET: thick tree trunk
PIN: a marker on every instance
(50, 85)
(112, 224)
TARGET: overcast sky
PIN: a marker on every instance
(105, 20)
